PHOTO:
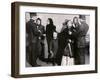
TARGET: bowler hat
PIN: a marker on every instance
(33, 14)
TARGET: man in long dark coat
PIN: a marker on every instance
(81, 41)
(33, 33)
(29, 37)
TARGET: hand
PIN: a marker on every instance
(70, 32)
(70, 40)
(44, 34)
(39, 37)
(39, 31)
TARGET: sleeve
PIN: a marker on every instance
(27, 27)
(44, 31)
(35, 31)
(54, 29)
(86, 28)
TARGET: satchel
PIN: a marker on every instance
(67, 61)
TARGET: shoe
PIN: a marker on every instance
(36, 65)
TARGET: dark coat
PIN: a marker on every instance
(63, 40)
(49, 31)
(29, 25)
(66, 40)
(34, 47)
(81, 34)
(33, 31)
(41, 28)
(29, 47)
(64, 36)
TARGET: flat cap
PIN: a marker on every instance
(82, 17)
(33, 14)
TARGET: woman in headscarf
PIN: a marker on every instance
(65, 42)
(39, 47)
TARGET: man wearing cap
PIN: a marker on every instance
(32, 36)
(81, 41)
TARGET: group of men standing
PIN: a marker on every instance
(71, 41)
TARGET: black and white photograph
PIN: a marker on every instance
(51, 39)
(57, 39)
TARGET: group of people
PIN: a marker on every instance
(70, 41)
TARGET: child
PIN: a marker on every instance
(54, 47)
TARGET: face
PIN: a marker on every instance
(81, 20)
(34, 17)
(38, 22)
(76, 20)
(69, 24)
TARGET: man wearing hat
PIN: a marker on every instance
(81, 41)
(31, 40)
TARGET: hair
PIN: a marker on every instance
(51, 21)
(39, 20)
(75, 18)
(67, 23)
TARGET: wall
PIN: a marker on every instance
(58, 19)
(5, 40)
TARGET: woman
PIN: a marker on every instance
(40, 41)
(76, 23)
(65, 42)
(76, 26)
(50, 29)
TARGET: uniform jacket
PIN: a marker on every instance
(81, 34)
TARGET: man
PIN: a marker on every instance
(81, 41)
(32, 38)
